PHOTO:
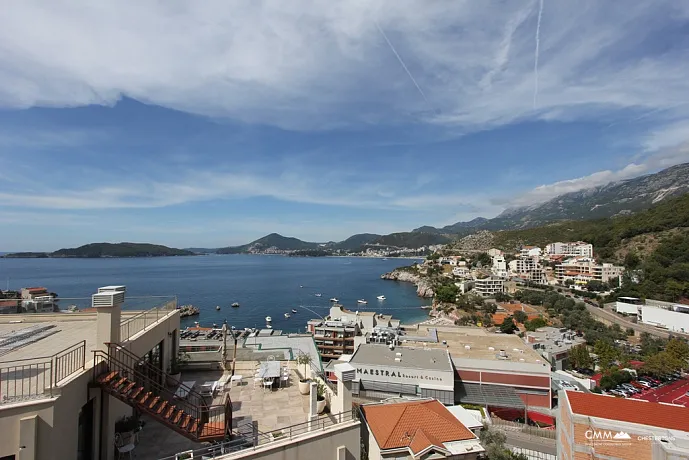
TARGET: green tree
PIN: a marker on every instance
(679, 349)
(520, 316)
(535, 323)
(579, 357)
(508, 326)
(632, 260)
(502, 297)
(446, 293)
(607, 354)
(662, 364)
(494, 442)
(489, 307)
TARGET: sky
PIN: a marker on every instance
(209, 124)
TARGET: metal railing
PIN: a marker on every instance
(524, 428)
(140, 322)
(36, 378)
(156, 382)
(247, 437)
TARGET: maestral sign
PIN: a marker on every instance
(406, 376)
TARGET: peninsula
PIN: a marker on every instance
(98, 250)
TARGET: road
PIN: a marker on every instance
(609, 316)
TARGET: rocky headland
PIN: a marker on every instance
(424, 288)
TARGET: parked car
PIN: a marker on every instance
(644, 383)
(617, 393)
(630, 387)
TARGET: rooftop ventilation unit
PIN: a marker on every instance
(491, 348)
(399, 360)
(398, 354)
(107, 299)
(467, 347)
(503, 354)
(112, 289)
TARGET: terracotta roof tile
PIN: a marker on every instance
(629, 410)
(417, 425)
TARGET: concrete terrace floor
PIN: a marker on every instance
(273, 410)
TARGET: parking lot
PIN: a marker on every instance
(671, 393)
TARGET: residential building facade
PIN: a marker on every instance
(577, 248)
(591, 426)
(584, 269)
(489, 286)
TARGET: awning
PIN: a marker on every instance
(487, 395)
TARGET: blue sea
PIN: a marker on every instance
(263, 285)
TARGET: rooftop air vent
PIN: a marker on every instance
(107, 299)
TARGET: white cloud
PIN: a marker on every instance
(315, 63)
(660, 159)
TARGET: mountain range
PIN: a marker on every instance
(609, 200)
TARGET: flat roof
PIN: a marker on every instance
(418, 358)
(479, 343)
(69, 329)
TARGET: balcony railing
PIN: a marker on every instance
(140, 322)
(248, 438)
(36, 378)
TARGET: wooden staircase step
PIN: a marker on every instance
(185, 421)
(162, 408)
(107, 377)
(178, 417)
(135, 394)
(120, 382)
(154, 402)
(128, 388)
(194, 426)
(145, 397)
(169, 412)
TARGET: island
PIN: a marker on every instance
(98, 250)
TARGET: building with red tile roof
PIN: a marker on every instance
(592, 426)
(417, 429)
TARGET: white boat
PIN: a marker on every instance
(334, 299)
(381, 297)
(361, 301)
(268, 319)
(286, 315)
(294, 311)
(318, 295)
(301, 286)
(218, 307)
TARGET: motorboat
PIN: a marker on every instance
(268, 319)
(361, 301)
(287, 315)
(217, 307)
(381, 297)
(318, 295)
(294, 311)
(235, 305)
(301, 286)
(334, 299)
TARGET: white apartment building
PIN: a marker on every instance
(530, 251)
(584, 269)
(577, 248)
(499, 267)
(494, 252)
(489, 286)
(529, 268)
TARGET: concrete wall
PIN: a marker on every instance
(319, 445)
(10, 420)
